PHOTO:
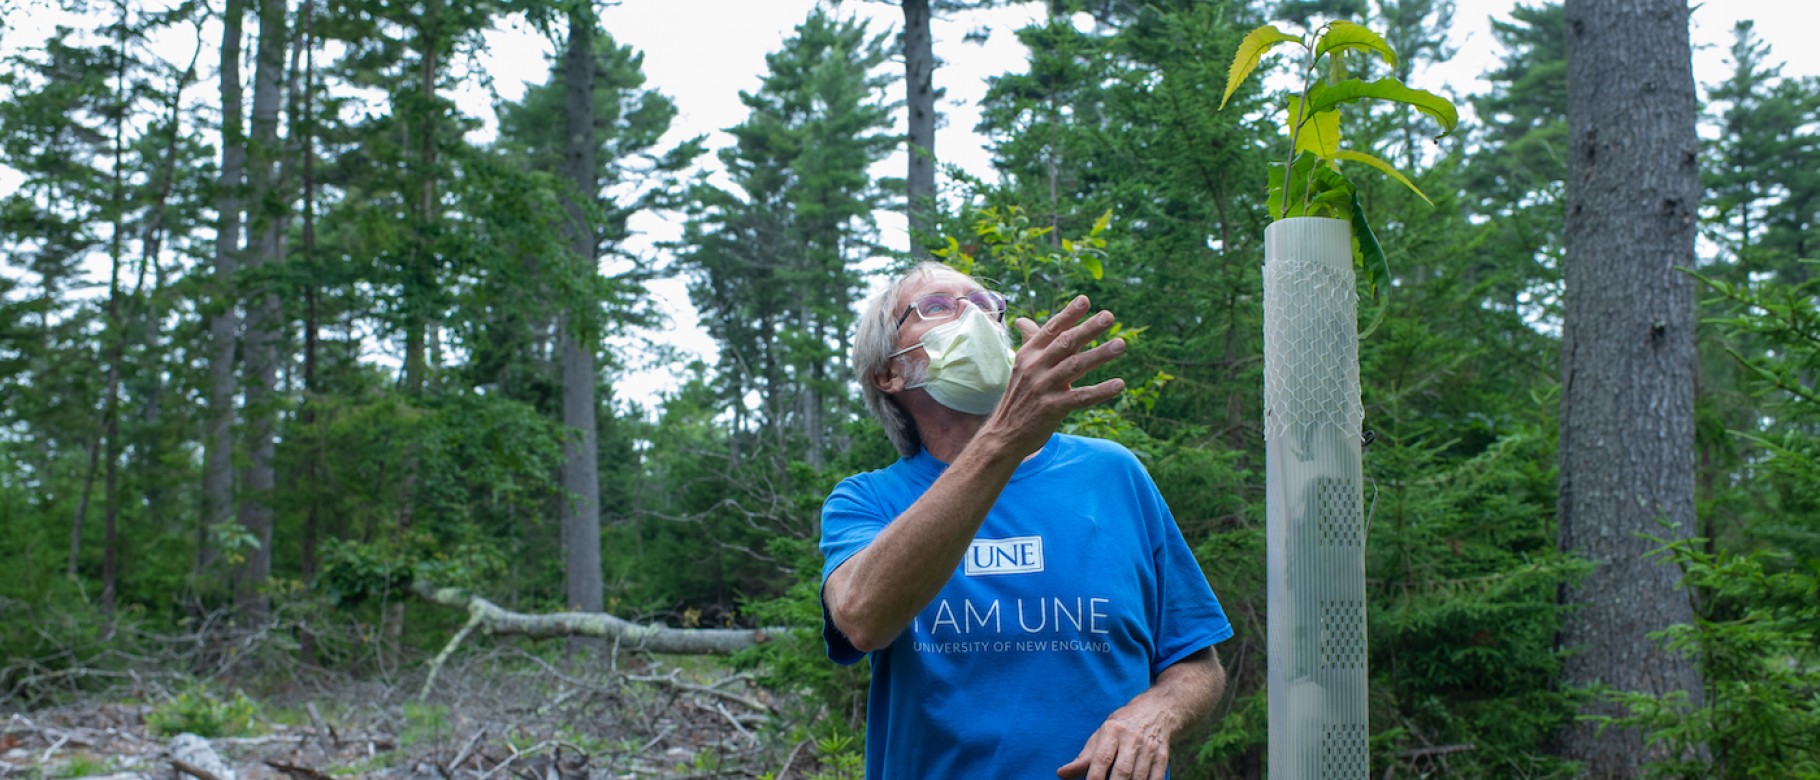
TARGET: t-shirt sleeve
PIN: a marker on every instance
(850, 521)
(1190, 618)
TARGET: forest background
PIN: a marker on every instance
(282, 340)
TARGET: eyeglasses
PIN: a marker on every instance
(942, 306)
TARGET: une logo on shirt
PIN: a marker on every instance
(1016, 555)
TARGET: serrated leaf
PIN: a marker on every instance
(1342, 35)
(1361, 157)
(1326, 96)
(1099, 225)
(1319, 135)
(1251, 51)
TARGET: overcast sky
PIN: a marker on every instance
(702, 53)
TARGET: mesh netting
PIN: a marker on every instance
(1311, 350)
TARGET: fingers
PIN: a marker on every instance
(1072, 313)
(1116, 753)
(1100, 393)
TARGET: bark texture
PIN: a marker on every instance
(218, 468)
(580, 472)
(919, 72)
(264, 315)
(1628, 363)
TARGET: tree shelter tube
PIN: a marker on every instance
(1315, 530)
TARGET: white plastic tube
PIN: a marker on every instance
(1314, 515)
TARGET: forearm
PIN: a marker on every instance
(1183, 694)
(878, 591)
(1134, 741)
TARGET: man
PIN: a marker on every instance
(1026, 599)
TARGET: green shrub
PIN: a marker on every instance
(1758, 644)
(199, 712)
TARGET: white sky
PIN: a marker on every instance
(702, 53)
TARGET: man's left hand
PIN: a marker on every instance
(1131, 744)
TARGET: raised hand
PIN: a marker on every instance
(1054, 356)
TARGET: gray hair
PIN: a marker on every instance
(875, 340)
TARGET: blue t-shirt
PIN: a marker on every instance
(1077, 591)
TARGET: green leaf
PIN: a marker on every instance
(1287, 201)
(1099, 225)
(1325, 96)
(1067, 246)
(1361, 157)
(1093, 267)
(1366, 252)
(1320, 134)
(1333, 194)
(1251, 51)
(1343, 35)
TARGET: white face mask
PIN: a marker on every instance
(969, 362)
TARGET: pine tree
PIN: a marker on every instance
(1627, 372)
(773, 260)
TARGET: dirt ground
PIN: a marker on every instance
(498, 715)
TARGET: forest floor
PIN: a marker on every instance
(503, 713)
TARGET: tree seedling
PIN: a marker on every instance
(1308, 182)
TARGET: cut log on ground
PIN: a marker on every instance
(494, 619)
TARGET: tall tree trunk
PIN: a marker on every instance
(88, 489)
(218, 468)
(305, 123)
(114, 337)
(919, 78)
(264, 317)
(1628, 364)
(580, 471)
(420, 282)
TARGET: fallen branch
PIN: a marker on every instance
(494, 619)
(1439, 750)
(468, 749)
(322, 729)
(709, 690)
(300, 772)
(530, 751)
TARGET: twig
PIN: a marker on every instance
(537, 748)
(670, 680)
(299, 771)
(554, 672)
(46, 758)
(783, 773)
(659, 738)
(467, 749)
(1438, 750)
(737, 726)
(265, 740)
(474, 619)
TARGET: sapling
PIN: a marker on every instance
(1308, 181)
